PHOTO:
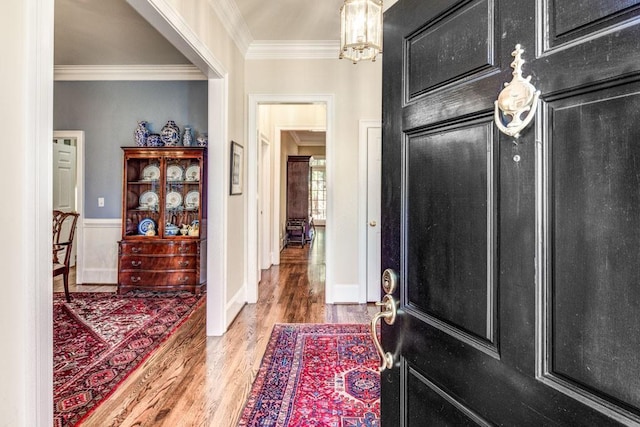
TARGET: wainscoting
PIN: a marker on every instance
(99, 245)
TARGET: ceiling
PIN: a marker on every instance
(99, 32)
(308, 138)
(111, 32)
(292, 19)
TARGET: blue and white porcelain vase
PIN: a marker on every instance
(141, 134)
(170, 134)
(187, 137)
(154, 140)
(202, 140)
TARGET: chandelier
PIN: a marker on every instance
(361, 30)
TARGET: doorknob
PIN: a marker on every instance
(372, 223)
(517, 97)
(389, 315)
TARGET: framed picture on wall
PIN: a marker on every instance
(237, 161)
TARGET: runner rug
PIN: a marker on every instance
(99, 338)
(316, 375)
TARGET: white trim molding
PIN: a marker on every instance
(127, 72)
(293, 49)
(235, 304)
(164, 18)
(346, 293)
(233, 22)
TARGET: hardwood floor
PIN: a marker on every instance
(195, 380)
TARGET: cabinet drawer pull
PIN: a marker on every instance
(136, 250)
(183, 279)
(183, 263)
(183, 249)
(136, 263)
(135, 279)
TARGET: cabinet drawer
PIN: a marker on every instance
(138, 262)
(158, 248)
(147, 278)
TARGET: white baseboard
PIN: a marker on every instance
(234, 306)
(346, 294)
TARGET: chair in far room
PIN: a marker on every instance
(64, 229)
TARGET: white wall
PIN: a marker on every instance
(357, 90)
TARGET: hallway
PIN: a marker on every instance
(194, 380)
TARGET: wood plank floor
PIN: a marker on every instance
(195, 380)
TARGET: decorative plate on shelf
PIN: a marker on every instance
(174, 173)
(174, 199)
(148, 199)
(192, 173)
(151, 173)
(192, 200)
(145, 225)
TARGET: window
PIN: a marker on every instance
(318, 193)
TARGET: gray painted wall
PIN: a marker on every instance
(108, 112)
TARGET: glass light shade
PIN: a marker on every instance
(361, 30)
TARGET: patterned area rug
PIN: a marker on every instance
(100, 338)
(316, 375)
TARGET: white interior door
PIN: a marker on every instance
(64, 178)
(264, 205)
(374, 164)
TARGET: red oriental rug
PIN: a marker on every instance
(316, 375)
(99, 338)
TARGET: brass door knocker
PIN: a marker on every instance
(517, 97)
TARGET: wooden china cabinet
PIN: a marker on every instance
(164, 220)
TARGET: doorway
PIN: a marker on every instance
(273, 128)
(68, 184)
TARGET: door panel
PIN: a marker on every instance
(449, 49)
(517, 258)
(569, 21)
(424, 395)
(594, 194)
(448, 277)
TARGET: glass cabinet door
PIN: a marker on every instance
(142, 191)
(182, 197)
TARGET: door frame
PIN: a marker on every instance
(252, 273)
(78, 135)
(363, 263)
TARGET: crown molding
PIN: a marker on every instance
(296, 137)
(233, 22)
(127, 72)
(293, 49)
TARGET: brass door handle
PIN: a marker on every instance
(389, 315)
(517, 97)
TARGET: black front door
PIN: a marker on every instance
(518, 259)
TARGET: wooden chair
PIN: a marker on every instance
(64, 229)
(295, 230)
